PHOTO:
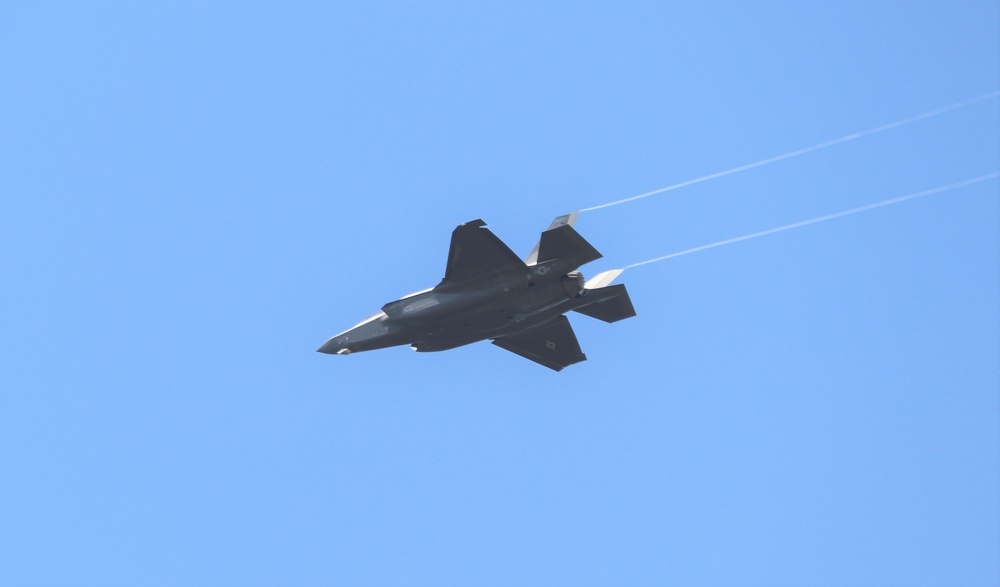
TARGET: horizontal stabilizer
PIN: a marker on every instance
(613, 304)
(563, 220)
(564, 242)
(554, 345)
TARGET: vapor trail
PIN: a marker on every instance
(823, 218)
(817, 147)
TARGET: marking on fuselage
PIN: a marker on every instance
(550, 345)
(420, 305)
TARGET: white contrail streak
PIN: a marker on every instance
(817, 147)
(823, 218)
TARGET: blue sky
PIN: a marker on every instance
(197, 195)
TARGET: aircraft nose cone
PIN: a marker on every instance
(333, 347)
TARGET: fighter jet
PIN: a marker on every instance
(488, 292)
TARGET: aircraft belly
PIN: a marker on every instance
(478, 324)
(375, 334)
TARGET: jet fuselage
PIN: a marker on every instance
(453, 315)
(488, 292)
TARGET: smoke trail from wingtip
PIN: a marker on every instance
(823, 218)
(805, 150)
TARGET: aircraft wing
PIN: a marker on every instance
(553, 345)
(475, 251)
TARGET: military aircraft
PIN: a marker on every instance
(488, 292)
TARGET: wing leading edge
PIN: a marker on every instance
(553, 345)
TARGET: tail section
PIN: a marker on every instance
(611, 304)
(602, 300)
(564, 220)
(562, 242)
(565, 243)
(602, 279)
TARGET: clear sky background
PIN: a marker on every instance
(195, 196)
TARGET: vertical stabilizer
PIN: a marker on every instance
(603, 279)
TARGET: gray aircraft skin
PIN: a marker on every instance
(488, 292)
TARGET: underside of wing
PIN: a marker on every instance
(553, 345)
(475, 251)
